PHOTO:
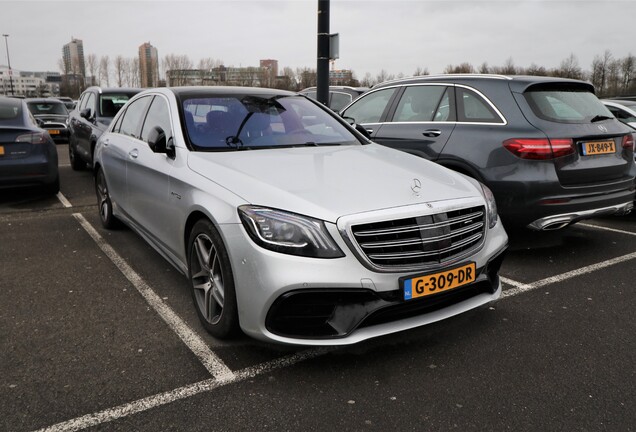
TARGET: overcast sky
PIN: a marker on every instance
(394, 35)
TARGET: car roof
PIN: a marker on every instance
(516, 82)
(227, 90)
(110, 90)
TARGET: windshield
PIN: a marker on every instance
(567, 105)
(44, 108)
(249, 122)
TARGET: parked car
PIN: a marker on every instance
(96, 108)
(68, 102)
(623, 110)
(28, 157)
(339, 96)
(52, 115)
(288, 223)
(549, 150)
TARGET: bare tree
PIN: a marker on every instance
(92, 66)
(367, 81)
(628, 69)
(133, 79)
(569, 68)
(419, 71)
(384, 76)
(104, 71)
(533, 69)
(598, 75)
(484, 68)
(459, 69)
(120, 65)
(306, 77)
(177, 69)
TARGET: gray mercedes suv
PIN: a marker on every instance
(549, 150)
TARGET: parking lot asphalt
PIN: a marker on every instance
(98, 332)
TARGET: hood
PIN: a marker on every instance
(330, 182)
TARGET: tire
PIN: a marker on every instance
(104, 204)
(212, 281)
(52, 188)
(77, 164)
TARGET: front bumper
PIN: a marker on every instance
(359, 303)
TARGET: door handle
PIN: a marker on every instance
(134, 153)
(369, 131)
(432, 132)
(106, 142)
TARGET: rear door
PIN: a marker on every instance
(421, 121)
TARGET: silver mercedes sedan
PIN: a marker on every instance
(289, 224)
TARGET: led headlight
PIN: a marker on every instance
(288, 233)
(491, 205)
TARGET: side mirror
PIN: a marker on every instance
(158, 143)
(86, 113)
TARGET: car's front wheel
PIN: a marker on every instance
(104, 203)
(77, 163)
(212, 281)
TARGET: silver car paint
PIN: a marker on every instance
(340, 185)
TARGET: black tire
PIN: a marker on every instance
(104, 204)
(77, 164)
(212, 281)
(53, 188)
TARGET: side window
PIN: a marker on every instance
(473, 108)
(370, 107)
(419, 103)
(158, 115)
(90, 103)
(82, 103)
(133, 117)
(117, 124)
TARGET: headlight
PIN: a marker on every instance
(491, 205)
(288, 233)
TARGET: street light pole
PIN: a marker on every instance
(6, 44)
(322, 69)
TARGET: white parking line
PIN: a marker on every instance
(212, 363)
(606, 229)
(154, 401)
(63, 200)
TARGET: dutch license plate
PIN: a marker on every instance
(1, 150)
(54, 131)
(598, 147)
(434, 283)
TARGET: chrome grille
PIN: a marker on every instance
(423, 240)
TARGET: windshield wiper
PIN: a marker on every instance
(600, 117)
(234, 142)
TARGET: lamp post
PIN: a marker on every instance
(6, 44)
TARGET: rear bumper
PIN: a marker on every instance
(562, 220)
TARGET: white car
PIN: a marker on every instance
(289, 224)
(623, 110)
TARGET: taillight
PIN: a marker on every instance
(33, 138)
(628, 142)
(539, 148)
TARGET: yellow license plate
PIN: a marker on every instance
(1, 150)
(599, 147)
(434, 283)
(54, 131)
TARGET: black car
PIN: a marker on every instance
(28, 157)
(52, 115)
(339, 96)
(549, 150)
(95, 110)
